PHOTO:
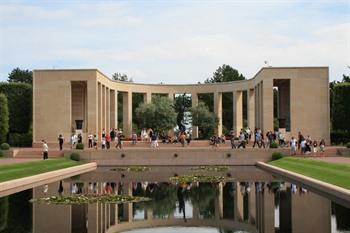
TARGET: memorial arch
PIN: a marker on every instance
(87, 100)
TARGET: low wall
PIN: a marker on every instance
(177, 156)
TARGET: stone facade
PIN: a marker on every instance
(63, 98)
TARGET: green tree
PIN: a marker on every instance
(182, 104)
(204, 119)
(4, 118)
(121, 77)
(158, 115)
(20, 76)
(225, 73)
(341, 106)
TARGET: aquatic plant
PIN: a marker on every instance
(197, 178)
(211, 168)
(131, 169)
(88, 199)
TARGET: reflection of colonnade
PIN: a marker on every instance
(88, 96)
(253, 206)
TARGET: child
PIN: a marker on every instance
(103, 143)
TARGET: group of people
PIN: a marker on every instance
(306, 145)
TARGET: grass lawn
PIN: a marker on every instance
(337, 174)
(20, 170)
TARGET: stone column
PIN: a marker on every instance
(93, 218)
(194, 97)
(127, 114)
(147, 97)
(219, 201)
(267, 105)
(114, 109)
(108, 115)
(269, 212)
(99, 110)
(252, 204)
(251, 108)
(127, 208)
(103, 107)
(171, 96)
(238, 215)
(92, 107)
(238, 111)
(218, 111)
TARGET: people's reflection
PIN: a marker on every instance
(181, 199)
(60, 188)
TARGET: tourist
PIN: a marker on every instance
(60, 141)
(249, 132)
(95, 141)
(300, 138)
(242, 140)
(154, 142)
(112, 134)
(150, 134)
(108, 141)
(134, 138)
(90, 139)
(303, 146)
(322, 145)
(103, 143)
(314, 145)
(281, 139)
(74, 140)
(234, 141)
(103, 133)
(189, 138)
(293, 146)
(80, 138)
(119, 141)
(183, 139)
(45, 150)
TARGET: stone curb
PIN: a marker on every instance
(330, 189)
(24, 183)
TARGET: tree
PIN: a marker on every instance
(4, 118)
(204, 119)
(341, 106)
(20, 76)
(158, 115)
(121, 77)
(226, 73)
(182, 105)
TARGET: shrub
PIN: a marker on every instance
(340, 137)
(277, 155)
(348, 145)
(75, 156)
(21, 140)
(274, 145)
(80, 146)
(19, 98)
(4, 146)
(1, 154)
(4, 118)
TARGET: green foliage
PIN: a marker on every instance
(197, 178)
(75, 156)
(19, 98)
(341, 107)
(348, 145)
(158, 115)
(225, 73)
(4, 118)
(340, 137)
(277, 155)
(212, 168)
(4, 208)
(205, 120)
(163, 199)
(80, 146)
(121, 77)
(4, 146)
(182, 104)
(21, 140)
(273, 145)
(20, 76)
(132, 169)
(88, 199)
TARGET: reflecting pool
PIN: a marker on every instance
(250, 200)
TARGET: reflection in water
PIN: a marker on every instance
(248, 206)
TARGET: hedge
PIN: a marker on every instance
(21, 140)
(4, 146)
(80, 146)
(19, 97)
(277, 155)
(75, 156)
(4, 118)
(340, 137)
(341, 107)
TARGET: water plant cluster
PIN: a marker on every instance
(212, 168)
(131, 169)
(88, 199)
(197, 178)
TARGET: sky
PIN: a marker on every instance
(173, 41)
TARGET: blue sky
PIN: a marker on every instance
(174, 41)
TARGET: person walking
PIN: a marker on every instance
(45, 150)
(293, 146)
(119, 141)
(60, 141)
(95, 141)
(91, 138)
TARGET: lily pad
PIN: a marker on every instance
(131, 169)
(197, 178)
(213, 168)
(88, 199)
